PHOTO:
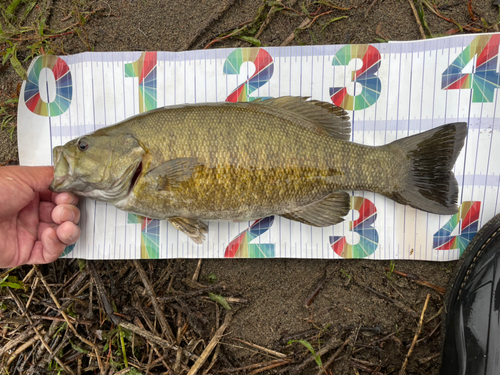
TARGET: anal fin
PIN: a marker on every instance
(194, 228)
(329, 211)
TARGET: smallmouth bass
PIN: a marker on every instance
(286, 156)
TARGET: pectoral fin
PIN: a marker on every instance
(171, 173)
(329, 211)
(194, 228)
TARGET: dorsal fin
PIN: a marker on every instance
(326, 117)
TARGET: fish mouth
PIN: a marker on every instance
(62, 178)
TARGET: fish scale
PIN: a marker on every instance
(272, 161)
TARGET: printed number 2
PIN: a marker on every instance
(241, 247)
(264, 69)
(468, 215)
(145, 70)
(485, 79)
(365, 76)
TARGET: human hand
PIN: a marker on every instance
(35, 224)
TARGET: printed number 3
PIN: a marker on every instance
(365, 76)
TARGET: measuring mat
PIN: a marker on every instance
(390, 90)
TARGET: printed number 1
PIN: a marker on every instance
(145, 70)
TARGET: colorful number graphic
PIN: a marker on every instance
(368, 235)
(64, 87)
(468, 215)
(365, 76)
(264, 69)
(145, 70)
(485, 79)
(150, 235)
(67, 250)
(241, 247)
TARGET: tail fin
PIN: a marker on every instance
(431, 185)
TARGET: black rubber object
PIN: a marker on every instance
(472, 328)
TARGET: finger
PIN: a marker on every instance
(45, 211)
(46, 196)
(65, 212)
(68, 233)
(48, 249)
(64, 198)
(37, 178)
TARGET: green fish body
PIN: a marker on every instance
(243, 161)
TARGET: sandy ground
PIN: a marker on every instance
(277, 290)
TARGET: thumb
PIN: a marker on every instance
(37, 178)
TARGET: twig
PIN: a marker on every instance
(417, 18)
(283, 362)
(416, 279)
(363, 367)
(291, 37)
(436, 12)
(269, 18)
(370, 8)
(91, 344)
(269, 351)
(225, 37)
(102, 293)
(155, 339)
(19, 339)
(197, 271)
(420, 324)
(256, 365)
(207, 24)
(167, 331)
(339, 350)
(190, 294)
(313, 295)
(434, 316)
(5, 163)
(471, 13)
(22, 348)
(425, 360)
(396, 303)
(330, 345)
(211, 345)
(57, 319)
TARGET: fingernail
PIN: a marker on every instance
(54, 238)
(72, 238)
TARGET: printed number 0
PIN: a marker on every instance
(64, 87)
(370, 83)
(264, 69)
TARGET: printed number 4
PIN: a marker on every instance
(485, 78)
(468, 216)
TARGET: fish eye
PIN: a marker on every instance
(83, 144)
